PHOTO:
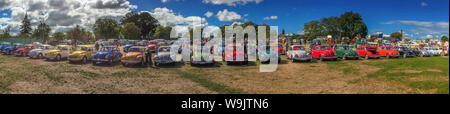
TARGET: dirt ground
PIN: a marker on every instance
(28, 76)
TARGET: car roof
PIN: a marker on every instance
(63, 45)
(87, 46)
(138, 47)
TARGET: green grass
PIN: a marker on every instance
(205, 82)
(392, 70)
(345, 66)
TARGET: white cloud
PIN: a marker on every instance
(167, 17)
(426, 27)
(63, 15)
(271, 18)
(423, 4)
(163, 1)
(228, 16)
(209, 14)
(5, 14)
(231, 2)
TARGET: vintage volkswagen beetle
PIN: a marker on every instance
(163, 56)
(405, 52)
(323, 52)
(264, 57)
(368, 52)
(346, 52)
(12, 48)
(107, 54)
(59, 53)
(135, 55)
(388, 52)
(298, 53)
(38, 53)
(83, 54)
(23, 52)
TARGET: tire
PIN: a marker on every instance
(84, 60)
(58, 58)
(388, 56)
(421, 55)
(111, 62)
(40, 56)
(404, 55)
(366, 57)
(22, 54)
(142, 62)
(124, 64)
(228, 63)
(344, 57)
(94, 63)
(321, 59)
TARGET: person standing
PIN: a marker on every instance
(149, 57)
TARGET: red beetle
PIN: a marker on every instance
(235, 55)
(153, 46)
(23, 52)
(323, 52)
(368, 52)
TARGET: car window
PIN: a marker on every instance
(136, 50)
(166, 49)
(298, 48)
(324, 47)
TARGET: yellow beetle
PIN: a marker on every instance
(83, 54)
(60, 52)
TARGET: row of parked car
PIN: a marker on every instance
(140, 53)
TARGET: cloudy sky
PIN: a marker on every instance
(418, 18)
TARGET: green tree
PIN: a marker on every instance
(312, 29)
(58, 36)
(106, 29)
(145, 22)
(130, 31)
(79, 34)
(444, 38)
(330, 26)
(397, 35)
(42, 32)
(25, 28)
(352, 25)
(6, 32)
(162, 32)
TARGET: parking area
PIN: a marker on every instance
(396, 76)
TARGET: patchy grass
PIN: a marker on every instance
(422, 79)
(205, 82)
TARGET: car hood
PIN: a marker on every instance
(78, 52)
(21, 49)
(132, 54)
(53, 51)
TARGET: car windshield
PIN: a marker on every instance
(164, 49)
(46, 47)
(136, 50)
(324, 47)
(298, 48)
(107, 49)
(86, 49)
(63, 48)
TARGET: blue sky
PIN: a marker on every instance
(420, 18)
(292, 14)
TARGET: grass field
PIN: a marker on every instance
(395, 76)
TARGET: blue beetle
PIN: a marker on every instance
(107, 54)
(10, 49)
(4, 45)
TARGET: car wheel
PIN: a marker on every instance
(40, 56)
(404, 55)
(388, 56)
(125, 64)
(58, 58)
(344, 57)
(321, 59)
(421, 55)
(228, 63)
(84, 60)
(366, 57)
(142, 62)
(111, 62)
(22, 54)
